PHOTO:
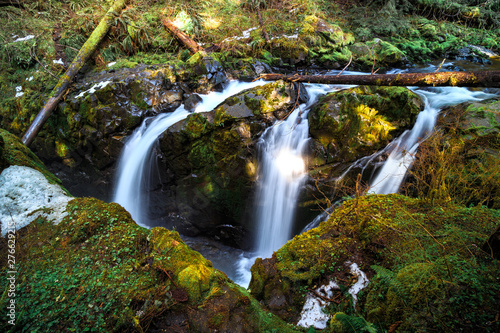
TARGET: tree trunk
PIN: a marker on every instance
(485, 79)
(190, 44)
(83, 55)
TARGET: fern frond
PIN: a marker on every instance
(351, 324)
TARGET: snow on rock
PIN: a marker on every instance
(24, 38)
(25, 194)
(94, 88)
(19, 91)
(360, 284)
(245, 34)
(312, 313)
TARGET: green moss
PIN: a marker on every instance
(16, 153)
(196, 126)
(98, 269)
(422, 246)
(357, 121)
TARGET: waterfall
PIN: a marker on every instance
(136, 160)
(390, 176)
(282, 172)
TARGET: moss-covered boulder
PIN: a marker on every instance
(350, 124)
(465, 154)
(211, 160)
(97, 268)
(85, 135)
(356, 122)
(422, 261)
(14, 152)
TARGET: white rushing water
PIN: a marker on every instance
(282, 169)
(136, 160)
(282, 172)
(389, 178)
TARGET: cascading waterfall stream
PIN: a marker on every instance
(135, 162)
(282, 172)
(282, 169)
(391, 175)
(402, 150)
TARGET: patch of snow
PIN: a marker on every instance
(360, 284)
(245, 33)
(25, 194)
(24, 38)
(111, 63)
(94, 88)
(19, 91)
(295, 36)
(58, 61)
(312, 313)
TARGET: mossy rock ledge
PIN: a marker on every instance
(210, 159)
(83, 138)
(350, 124)
(423, 260)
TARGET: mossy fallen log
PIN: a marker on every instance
(81, 58)
(485, 79)
(188, 42)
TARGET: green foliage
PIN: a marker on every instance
(343, 323)
(460, 163)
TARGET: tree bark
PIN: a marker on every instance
(190, 44)
(485, 79)
(81, 58)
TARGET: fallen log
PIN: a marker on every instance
(485, 79)
(81, 58)
(190, 44)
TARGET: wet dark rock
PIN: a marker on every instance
(212, 159)
(348, 125)
(191, 102)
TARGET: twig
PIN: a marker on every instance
(345, 67)
(43, 66)
(266, 37)
(164, 271)
(324, 298)
(437, 70)
(373, 66)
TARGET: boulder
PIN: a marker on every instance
(93, 266)
(350, 124)
(415, 256)
(209, 162)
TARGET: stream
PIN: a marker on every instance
(282, 170)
